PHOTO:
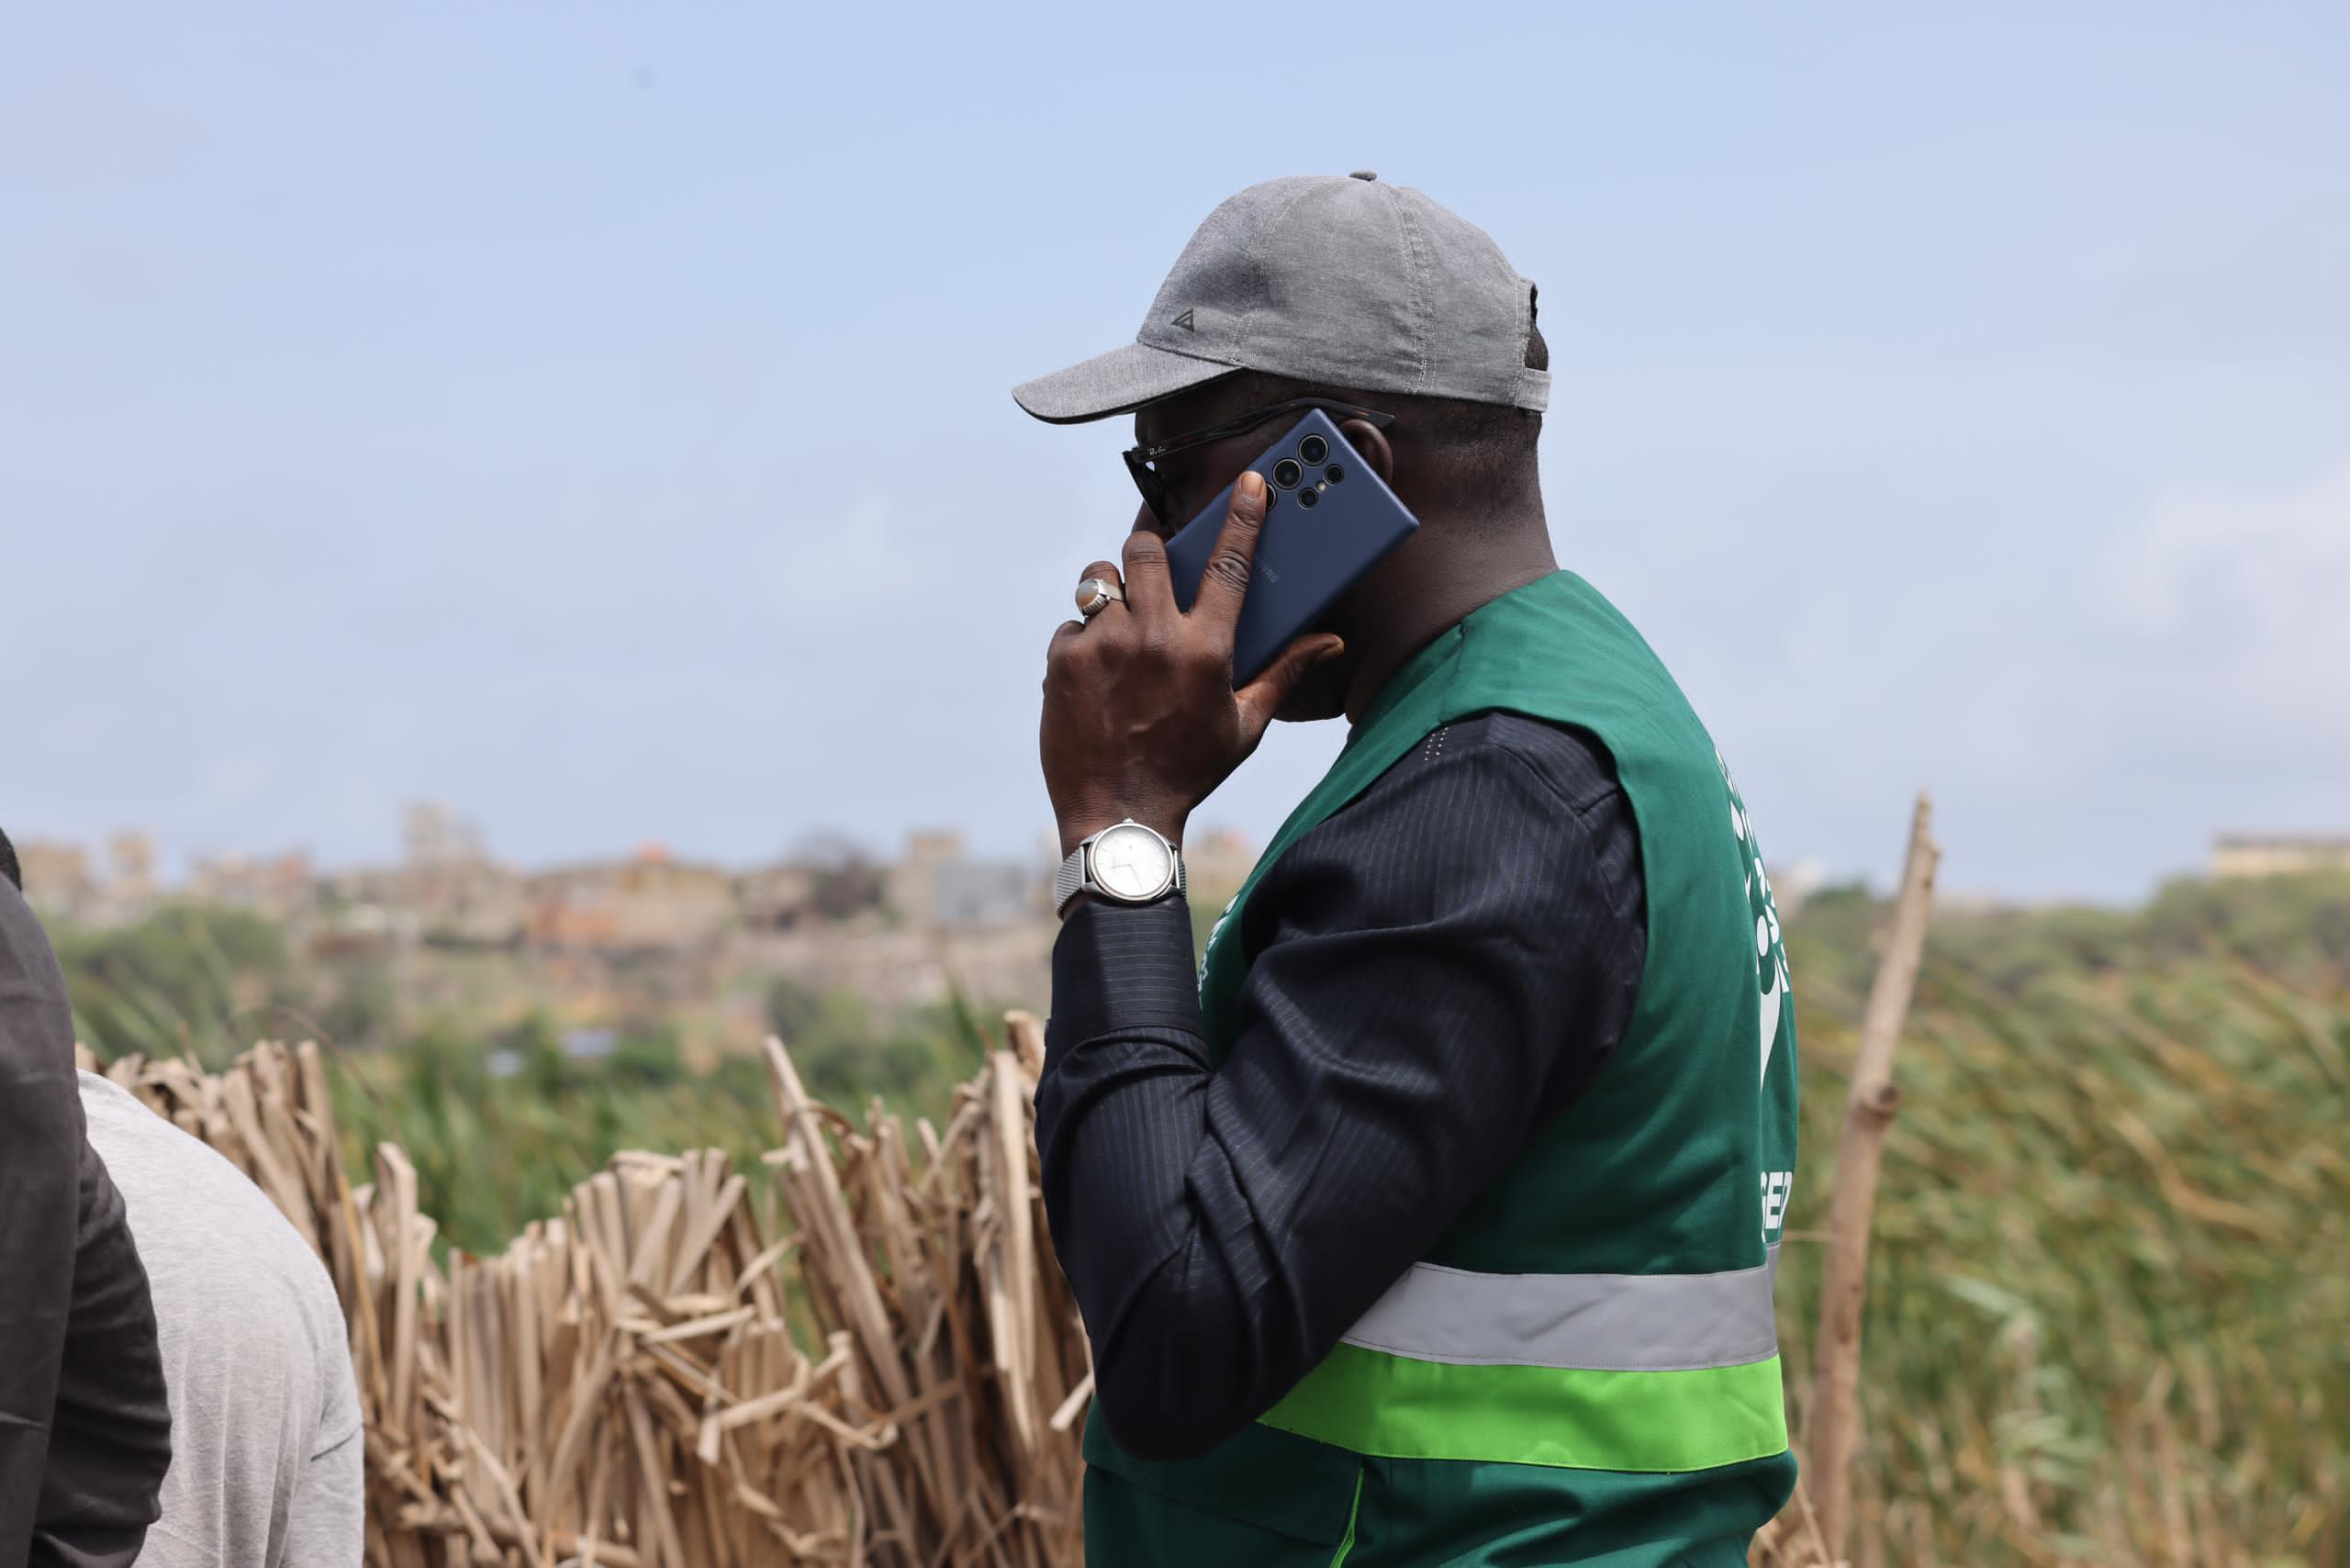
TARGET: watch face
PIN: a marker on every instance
(1132, 862)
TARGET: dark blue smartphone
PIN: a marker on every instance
(1329, 519)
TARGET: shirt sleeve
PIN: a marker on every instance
(1435, 969)
(328, 1521)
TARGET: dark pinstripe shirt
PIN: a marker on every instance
(1434, 971)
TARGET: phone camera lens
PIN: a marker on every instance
(1313, 448)
(1309, 500)
(1332, 474)
(1286, 474)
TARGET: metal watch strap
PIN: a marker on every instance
(1071, 880)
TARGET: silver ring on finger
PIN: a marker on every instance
(1094, 595)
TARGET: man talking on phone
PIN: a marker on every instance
(1433, 1219)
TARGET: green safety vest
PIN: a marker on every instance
(1585, 1367)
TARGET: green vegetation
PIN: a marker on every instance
(189, 979)
(846, 1054)
(2112, 1239)
(500, 1123)
(2112, 1245)
(499, 1135)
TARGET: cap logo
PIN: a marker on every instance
(1184, 321)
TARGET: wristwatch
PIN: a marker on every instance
(1126, 862)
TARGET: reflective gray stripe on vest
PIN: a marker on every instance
(1597, 1322)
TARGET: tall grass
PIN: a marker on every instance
(2111, 1273)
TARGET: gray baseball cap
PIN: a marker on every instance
(1339, 280)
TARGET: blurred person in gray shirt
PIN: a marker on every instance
(267, 1461)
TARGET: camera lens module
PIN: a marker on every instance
(1309, 498)
(1313, 448)
(1286, 474)
(1332, 474)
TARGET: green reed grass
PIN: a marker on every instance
(2110, 1277)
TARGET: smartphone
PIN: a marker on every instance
(1328, 520)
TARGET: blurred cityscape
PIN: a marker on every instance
(707, 957)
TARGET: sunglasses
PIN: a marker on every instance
(1154, 488)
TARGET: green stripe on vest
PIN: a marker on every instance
(1368, 1402)
(1509, 1405)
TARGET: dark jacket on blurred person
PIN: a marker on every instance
(84, 1426)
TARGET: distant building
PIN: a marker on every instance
(446, 890)
(910, 887)
(938, 887)
(362, 914)
(131, 885)
(1009, 964)
(969, 893)
(648, 903)
(279, 887)
(777, 898)
(64, 881)
(468, 903)
(432, 834)
(2278, 855)
(57, 879)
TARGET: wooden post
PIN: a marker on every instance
(1868, 1115)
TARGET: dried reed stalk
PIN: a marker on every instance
(659, 1378)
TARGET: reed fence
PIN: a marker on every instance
(864, 1353)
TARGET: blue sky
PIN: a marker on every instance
(518, 406)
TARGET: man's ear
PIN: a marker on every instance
(1371, 442)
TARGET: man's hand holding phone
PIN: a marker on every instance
(1140, 716)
